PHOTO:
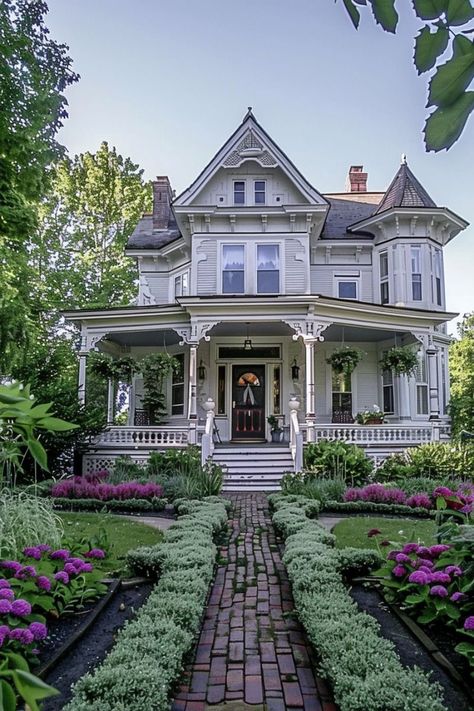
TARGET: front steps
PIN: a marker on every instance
(251, 467)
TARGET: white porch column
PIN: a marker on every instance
(432, 354)
(81, 385)
(309, 342)
(110, 401)
(404, 397)
(192, 404)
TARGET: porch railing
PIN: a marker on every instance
(143, 437)
(377, 435)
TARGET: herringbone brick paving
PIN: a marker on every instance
(251, 649)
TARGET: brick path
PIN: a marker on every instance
(251, 650)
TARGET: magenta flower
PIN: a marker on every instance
(60, 554)
(424, 563)
(7, 594)
(439, 591)
(38, 630)
(32, 552)
(399, 571)
(419, 577)
(410, 548)
(21, 608)
(466, 509)
(455, 597)
(392, 555)
(435, 551)
(87, 568)
(453, 570)
(442, 491)
(43, 547)
(4, 632)
(11, 565)
(5, 607)
(402, 558)
(438, 577)
(62, 577)
(21, 634)
(99, 553)
(424, 552)
(44, 583)
(71, 569)
(469, 623)
(4, 583)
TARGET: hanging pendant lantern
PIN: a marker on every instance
(295, 370)
(247, 342)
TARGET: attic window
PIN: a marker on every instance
(239, 192)
(259, 192)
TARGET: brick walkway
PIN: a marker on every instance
(251, 649)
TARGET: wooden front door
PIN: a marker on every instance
(248, 402)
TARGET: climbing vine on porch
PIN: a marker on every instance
(400, 359)
(345, 360)
(118, 369)
(155, 369)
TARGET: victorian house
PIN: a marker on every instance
(252, 278)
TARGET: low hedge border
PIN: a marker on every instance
(110, 505)
(372, 507)
(148, 655)
(363, 667)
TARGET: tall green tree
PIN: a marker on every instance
(94, 205)
(34, 71)
(461, 368)
(447, 26)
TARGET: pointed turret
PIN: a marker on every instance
(405, 191)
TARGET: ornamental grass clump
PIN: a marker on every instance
(363, 667)
(26, 520)
(140, 671)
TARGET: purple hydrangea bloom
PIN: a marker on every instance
(438, 549)
(399, 571)
(99, 553)
(453, 570)
(44, 583)
(455, 597)
(7, 594)
(62, 577)
(4, 584)
(439, 591)
(4, 631)
(43, 547)
(439, 577)
(424, 563)
(60, 554)
(27, 570)
(410, 548)
(21, 608)
(87, 568)
(5, 607)
(424, 552)
(469, 623)
(32, 552)
(425, 569)
(402, 558)
(11, 565)
(38, 630)
(21, 634)
(419, 577)
(71, 569)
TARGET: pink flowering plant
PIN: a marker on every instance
(448, 503)
(81, 487)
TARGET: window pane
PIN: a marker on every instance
(384, 296)
(221, 390)
(438, 291)
(268, 282)
(384, 264)
(233, 256)
(341, 383)
(260, 192)
(233, 282)
(422, 399)
(388, 399)
(178, 286)
(416, 287)
(239, 192)
(185, 283)
(415, 260)
(347, 290)
(268, 256)
(177, 388)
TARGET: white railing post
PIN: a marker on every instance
(436, 431)
(110, 401)
(207, 443)
(296, 436)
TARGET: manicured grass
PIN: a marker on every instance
(353, 531)
(122, 535)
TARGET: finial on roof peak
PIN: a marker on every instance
(249, 113)
(404, 159)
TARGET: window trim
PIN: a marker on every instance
(222, 270)
(279, 270)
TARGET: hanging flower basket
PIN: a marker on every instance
(345, 360)
(401, 360)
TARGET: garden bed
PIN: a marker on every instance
(77, 643)
(409, 647)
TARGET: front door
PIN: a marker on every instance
(248, 402)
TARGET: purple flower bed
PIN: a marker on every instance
(461, 500)
(80, 488)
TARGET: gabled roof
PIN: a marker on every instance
(405, 191)
(250, 141)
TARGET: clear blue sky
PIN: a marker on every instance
(167, 82)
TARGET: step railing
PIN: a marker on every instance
(296, 435)
(207, 441)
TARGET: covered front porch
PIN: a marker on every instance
(240, 365)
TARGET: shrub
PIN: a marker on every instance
(437, 460)
(363, 667)
(338, 459)
(125, 469)
(174, 462)
(147, 658)
(27, 520)
(79, 488)
(154, 504)
(311, 486)
(364, 507)
(395, 468)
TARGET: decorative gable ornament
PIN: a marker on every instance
(250, 148)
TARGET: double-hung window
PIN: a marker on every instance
(384, 287)
(347, 289)
(177, 386)
(259, 192)
(181, 284)
(416, 288)
(233, 270)
(437, 276)
(239, 192)
(268, 269)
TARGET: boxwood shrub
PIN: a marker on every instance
(154, 504)
(371, 507)
(148, 655)
(363, 667)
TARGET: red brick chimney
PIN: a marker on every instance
(162, 196)
(356, 180)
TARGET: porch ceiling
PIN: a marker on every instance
(255, 328)
(166, 337)
(350, 333)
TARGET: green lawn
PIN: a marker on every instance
(122, 535)
(353, 531)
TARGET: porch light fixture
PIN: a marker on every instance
(247, 342)
(201, 371)
(295, 370)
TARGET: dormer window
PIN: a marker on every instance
(239, 192)
(259, 192)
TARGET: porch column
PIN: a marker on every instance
(404, 397)
(192, 405)
(309, 387)
(110, 401)
(81, 384)
(432, 354)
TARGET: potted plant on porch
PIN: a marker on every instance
(275, 428)
(370, 417)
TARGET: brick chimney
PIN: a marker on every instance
(356, 180)
(162, 196)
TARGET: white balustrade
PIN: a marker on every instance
(143, 437)
(367, 435)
